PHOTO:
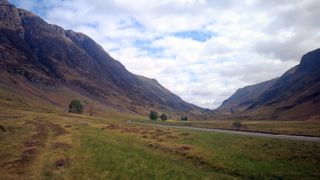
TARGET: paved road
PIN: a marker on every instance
(256, 134)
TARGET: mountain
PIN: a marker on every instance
(294, 95)
(54, 65)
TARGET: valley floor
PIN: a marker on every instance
(58, 145)
(233, 131)
(300, 128)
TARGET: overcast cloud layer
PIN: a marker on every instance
(202, 50)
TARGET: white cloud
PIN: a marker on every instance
(245, 42)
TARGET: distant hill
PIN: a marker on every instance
(294, 95)
(54, 65)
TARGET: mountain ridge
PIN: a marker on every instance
(47, 55)
(294, 95)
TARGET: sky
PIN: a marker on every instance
(201, 50)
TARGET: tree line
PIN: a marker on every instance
(76, 107)
(155, 116)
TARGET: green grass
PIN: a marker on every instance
(117, 156)
(259, 157)
(109, 148)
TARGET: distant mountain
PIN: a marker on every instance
(295, 95)
(56, 65)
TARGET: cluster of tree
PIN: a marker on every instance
(154, 116)
(184, 118)
(76, 107)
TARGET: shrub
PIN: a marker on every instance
(184, 118)
(237, 124)
(153, 115)
(163, 117)
(75, 106)
(2, 128)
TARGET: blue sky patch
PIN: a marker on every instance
(197, 35)
(147, 46)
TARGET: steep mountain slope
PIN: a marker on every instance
(244, 97)
(38, 58)
(295, 95)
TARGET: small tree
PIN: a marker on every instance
(184, 118)
(163, 117)
(153, 115)
(75, 106)
(237, 125)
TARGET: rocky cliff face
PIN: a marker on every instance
(48, 56)
(295, 95)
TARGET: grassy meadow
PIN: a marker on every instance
(52, 144)
(307, 128)
(41, 145)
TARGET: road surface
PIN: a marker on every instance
(246, 133)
